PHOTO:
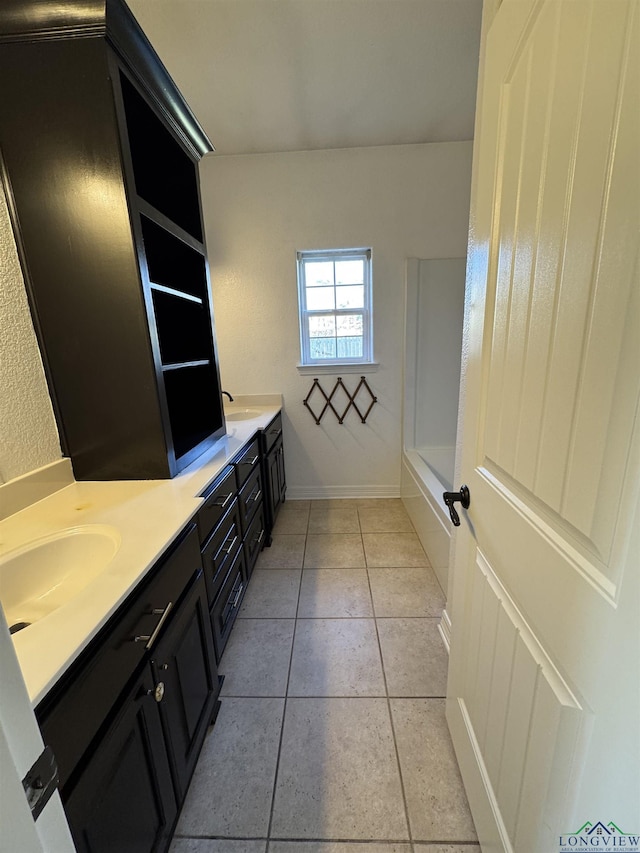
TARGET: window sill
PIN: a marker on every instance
(337, 369)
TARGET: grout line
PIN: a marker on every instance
(284, 710)
(393, 731)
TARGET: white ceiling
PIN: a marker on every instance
(290, 75)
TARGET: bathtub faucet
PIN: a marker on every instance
(227, 394)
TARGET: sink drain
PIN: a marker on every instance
(18, 626)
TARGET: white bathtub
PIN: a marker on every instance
(421, 491)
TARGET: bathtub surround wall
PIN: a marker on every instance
(403, 201)
(28, 432)
(433, 342)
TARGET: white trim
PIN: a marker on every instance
(484, 807)
(444, 626)
(336, 369)
(366, 311)
(306, 493)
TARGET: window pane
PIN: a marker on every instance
(349, 347)
(318, 273)
(322, 348)
(321, 298)
(349, 325)
(322, 326)
(349, 272)
(350, 297)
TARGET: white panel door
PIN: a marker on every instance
(20, 746)
(544, 685)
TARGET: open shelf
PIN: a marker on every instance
(171, 262)
(193, 403)
(164, 174)
(184, 328)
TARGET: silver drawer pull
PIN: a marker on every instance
(230, 548)
(260, 537)
(222, 504)
(150, 639)
(250, 461)
(255, 498)
(237, 598)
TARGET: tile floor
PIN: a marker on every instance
(331, 737)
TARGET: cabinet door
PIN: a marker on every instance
(124, 800)
(184, 663)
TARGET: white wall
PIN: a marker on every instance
(403, 201)
(28, 432)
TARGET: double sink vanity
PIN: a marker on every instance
(131, 589)
(121, 589)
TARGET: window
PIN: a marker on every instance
(334, 293)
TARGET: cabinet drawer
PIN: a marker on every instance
(272, 433)
(220, 551)
(84, 697)
(225, 610)
(218, 499)
(248, 462)
(250, 498)
(254, 540)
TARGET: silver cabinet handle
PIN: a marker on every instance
(230, 548)
(259, 538)
(223, 504)
(150, 639)
(250, 461)
(157, 692)
(255, 498)
(237, 598)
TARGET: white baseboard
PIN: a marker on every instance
(310, 493)
(444, 626)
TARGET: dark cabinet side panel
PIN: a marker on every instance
(60, 143)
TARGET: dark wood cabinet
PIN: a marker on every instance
(100, 164)
(184, 665)
(274, 472)
(125, 800)
(127, 721)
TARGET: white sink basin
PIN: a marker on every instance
(241, 414)
(41, 576)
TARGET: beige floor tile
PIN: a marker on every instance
(437, 803)
(286, 552)
(391, 550)
(334, 517)
(336, 657)
(406, 592)
(231, 790)
(256, 660)
(216, 845)
(334, 593)
(446, 848)
(379, 503)
(272, 594)
(390, 518)
(335, 847)
(338, 775)
(414, 657)
(334, 551)
(293, 517)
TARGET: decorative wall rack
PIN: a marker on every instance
(328, 404)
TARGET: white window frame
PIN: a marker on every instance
(366, 311)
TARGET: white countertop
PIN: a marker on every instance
(147, 514)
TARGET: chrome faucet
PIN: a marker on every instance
(227, 394)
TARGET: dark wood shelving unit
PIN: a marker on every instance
(101, 156)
